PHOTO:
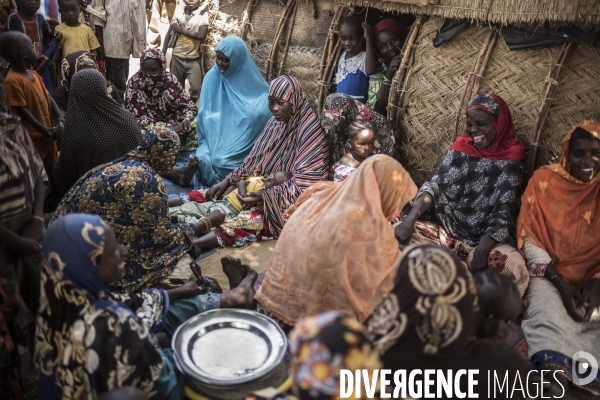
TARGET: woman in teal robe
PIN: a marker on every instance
(233, 111)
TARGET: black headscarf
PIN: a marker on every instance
(97, 130)
(428, 319)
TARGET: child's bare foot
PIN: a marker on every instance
(186, 173)
(233, 269)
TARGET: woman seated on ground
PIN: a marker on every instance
(475, 194)
(361, 138)
(155, 97)
(97, 130)
(107, 335)
(559, 233)
(72, 64)
(131, 197)
(292, 141)
(428, 319)
(333, 233)
(233, 111)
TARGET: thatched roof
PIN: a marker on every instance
(557, 12)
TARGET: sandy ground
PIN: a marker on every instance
(256, 255)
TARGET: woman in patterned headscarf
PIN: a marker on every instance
(292, 141)
(155, 96)
(428, 321)
(131, 197)
(475, 194)
(91, 340)
(559, 234)
(72, 64)
(322, 346)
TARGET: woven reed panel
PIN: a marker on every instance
(306, 46)
(518, 77)
(577, 98)
(556, 12)
(433, 91)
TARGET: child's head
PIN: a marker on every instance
(192, 3)
(352, 35)
(29, 6)
(361, 138)
(277, 178)
(499, 305)
(17, 49)
(69, 11)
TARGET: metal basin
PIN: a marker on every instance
(229, 353)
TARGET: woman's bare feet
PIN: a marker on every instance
(243, 295)
(234, 270)
(186, 173)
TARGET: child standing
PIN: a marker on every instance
(75, 35)
(28, 21)
(188, 28)
(355, 66)
(361, 144)
(27, 97)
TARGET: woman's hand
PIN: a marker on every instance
(393, 67)
(216, 191)
(572, 298)
(251, 199)
(404, 231)
(25, 247)
(480, 257)
(189, 289)
(367, 31)
(590, 291)
(33, 229)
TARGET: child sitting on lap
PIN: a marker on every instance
(76, 36)
(231, 205)
(361, 140)
(499, 305)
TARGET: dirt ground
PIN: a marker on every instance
(256, 255)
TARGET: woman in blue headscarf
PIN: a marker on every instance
(90, 340)
(233, 111)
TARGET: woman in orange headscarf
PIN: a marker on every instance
(559, 235)
(338, 250)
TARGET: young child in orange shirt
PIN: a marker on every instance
(27, 97)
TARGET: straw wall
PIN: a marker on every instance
(436, 82)
(557, 12)
(306, 46)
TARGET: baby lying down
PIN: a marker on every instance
(230, 206)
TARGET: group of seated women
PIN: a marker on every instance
(337, 249)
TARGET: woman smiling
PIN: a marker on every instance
(475, 194)
(559, 234)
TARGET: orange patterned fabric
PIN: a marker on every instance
(338, 250)
(559, 213)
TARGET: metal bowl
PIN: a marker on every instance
(227, 352)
